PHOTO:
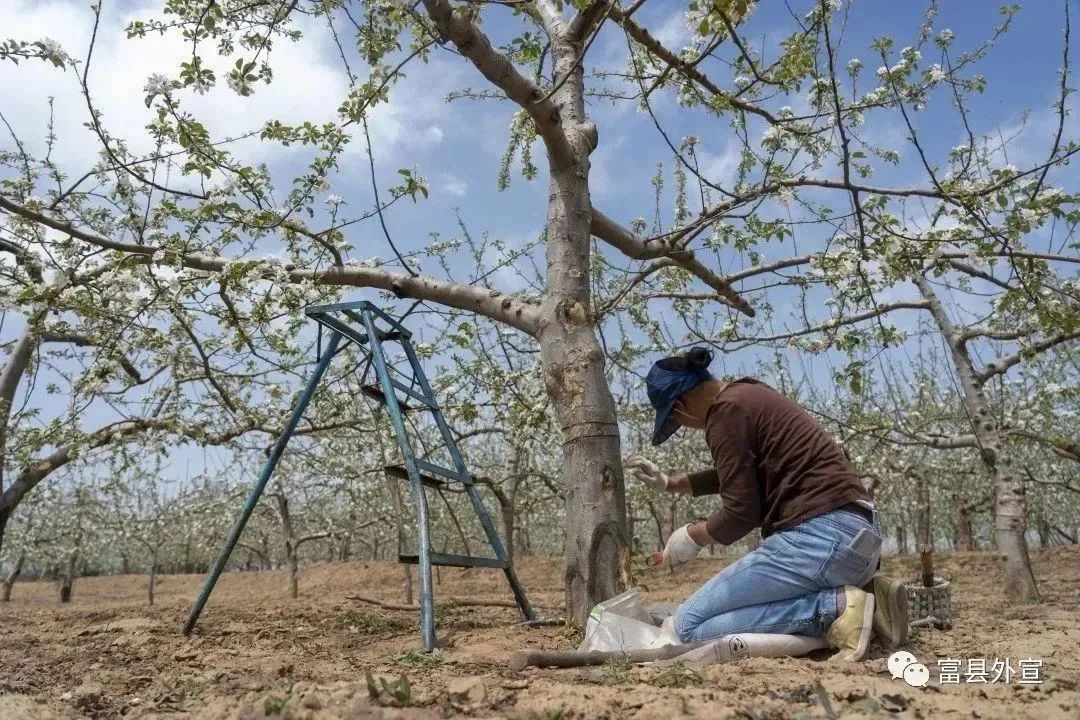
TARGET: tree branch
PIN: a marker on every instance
(584, 21)
(635, 246)
(489, 303)
(850, 320)
(24, 258)
(497, 68)
(1063, 448)
(313, 536)
(83, 341)
(642, 36)
(37, 470)
(1003, 363)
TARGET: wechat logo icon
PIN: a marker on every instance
(903, 665)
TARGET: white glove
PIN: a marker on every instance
(680, 547)
(647, 472)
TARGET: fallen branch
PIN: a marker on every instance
(1062, 533)
(577, 658)
(449, 602)
(548, 622)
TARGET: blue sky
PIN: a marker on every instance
(457, 146)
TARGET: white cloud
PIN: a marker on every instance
(673, 32)
(434, 134)
(602, 181)
(1028, 140)
(309, 84)
(720, 168)
(451, 185)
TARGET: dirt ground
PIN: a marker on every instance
(257, 654)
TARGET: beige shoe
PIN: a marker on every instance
(890, 611)
(850, 633)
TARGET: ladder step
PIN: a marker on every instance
(447, 560)
(350, 332)
(375, 392)
(399, 472)
(417, 396)
(444, 472)
(357, 317)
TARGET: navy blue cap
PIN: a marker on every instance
(668, 380)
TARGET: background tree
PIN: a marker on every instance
(795, 221)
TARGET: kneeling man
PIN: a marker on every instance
(776, 468)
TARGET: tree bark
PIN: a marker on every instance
(291, 560)
(570, 353)
(399, 527)
(1042, 526)
(573, 364)
(266, 553)
(506, 512)
(669, 520)
(408, 583)
(5, 513)
(9, 581)
(294, 575)
(923, 529)
(345, 546)
(521, 540)
(152, 584)
(10, 376)
(964, 537)
(1010, 512)
(661, 536)
(507, 497)
(67, 581)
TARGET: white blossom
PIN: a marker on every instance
(1030, 217)
(910, 55)
(236, 85)
(875, 96)
(334, 200)
(156, 84)
(52, 49)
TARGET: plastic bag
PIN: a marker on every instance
(661, 611)
(623, 623)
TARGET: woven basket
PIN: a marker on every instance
(930, 606)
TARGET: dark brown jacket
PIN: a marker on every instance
(775, 466)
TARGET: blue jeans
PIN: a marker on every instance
(788, 585)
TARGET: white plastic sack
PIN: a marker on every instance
(623, 623)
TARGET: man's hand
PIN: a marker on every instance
(680, 548)
(647, 472)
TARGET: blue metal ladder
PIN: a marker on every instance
(359, 323)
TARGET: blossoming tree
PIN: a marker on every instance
(209, 216)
